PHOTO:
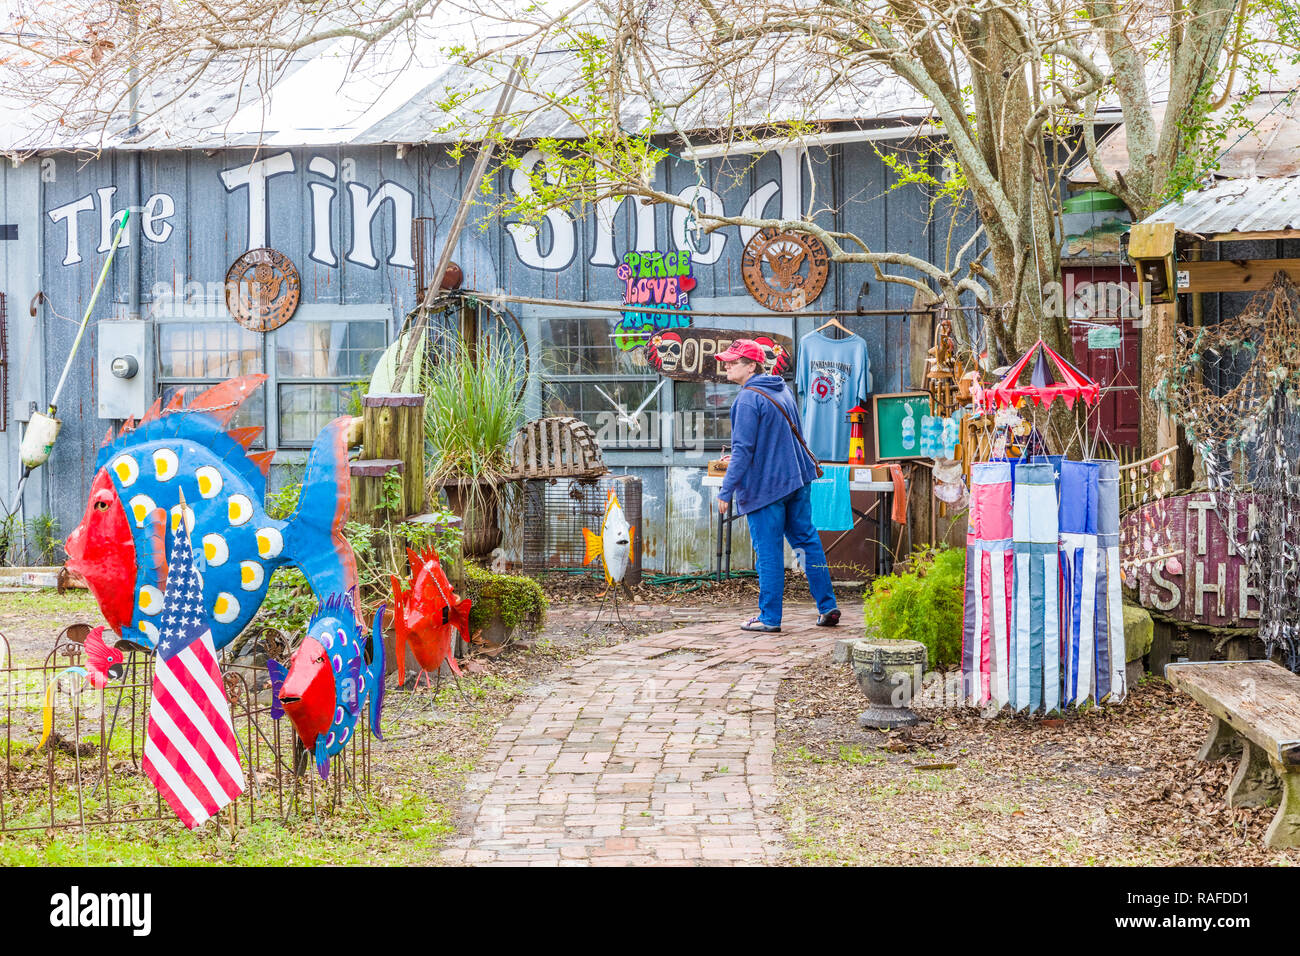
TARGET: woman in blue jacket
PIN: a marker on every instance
(770, 474)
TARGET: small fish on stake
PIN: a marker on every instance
(103, 664)
(336, 674)
(614, 543)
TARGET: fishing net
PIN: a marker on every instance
(1265, 337)
(1249, 439)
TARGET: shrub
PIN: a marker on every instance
(380, 552)
(923, 602)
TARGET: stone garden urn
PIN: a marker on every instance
(889, 673)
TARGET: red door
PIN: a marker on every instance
(1102, 306)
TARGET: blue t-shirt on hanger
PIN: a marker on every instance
(833, 376)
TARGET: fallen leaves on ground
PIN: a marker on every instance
(1118, 784)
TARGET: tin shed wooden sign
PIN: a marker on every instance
(690, 355)
(1183, 556)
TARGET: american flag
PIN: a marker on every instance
(190, 754)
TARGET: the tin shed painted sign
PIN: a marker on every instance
(1178, 555)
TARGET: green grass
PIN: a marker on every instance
(404, 830)
(854, 755)
(75, 605)
(803, 753)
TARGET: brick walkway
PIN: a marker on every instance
(657, 751)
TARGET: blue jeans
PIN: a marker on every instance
(791, 518)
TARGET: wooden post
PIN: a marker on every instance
(394, 431)
(1162, 647)
(369, 503)
(1157, 428)
(1200, 645)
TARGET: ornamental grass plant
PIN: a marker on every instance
(474, 401)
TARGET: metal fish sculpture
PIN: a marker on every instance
(334, 673)
(119, 547)
(425, 615)
(613, 544)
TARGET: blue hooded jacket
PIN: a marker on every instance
(767, 463)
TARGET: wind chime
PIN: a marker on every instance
(1043, 624)
(1247, 436)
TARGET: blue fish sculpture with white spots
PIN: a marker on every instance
(335, 673)
(120, 546)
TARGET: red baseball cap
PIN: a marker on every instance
(743, 348)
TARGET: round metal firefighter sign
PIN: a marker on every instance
(785, 271)
(262, 289)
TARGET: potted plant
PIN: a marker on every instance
(503, 603)
(473, 403)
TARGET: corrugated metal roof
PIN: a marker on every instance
(1266, 143)
(1240, 205)
(326, 95)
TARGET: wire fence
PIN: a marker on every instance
(89, 771)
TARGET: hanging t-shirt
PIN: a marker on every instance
(834, 375)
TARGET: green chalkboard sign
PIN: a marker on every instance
(896, 422)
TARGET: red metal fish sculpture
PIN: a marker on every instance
(425, 615)
(103, 663)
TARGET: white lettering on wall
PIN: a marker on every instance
(253, 177)
(322, 216)
(67, 214)
(707, 201)
(153, 218)
(365, 205)
(108, 220)
(606, 210)
(527, 237)
(753, 208)
(790, 188)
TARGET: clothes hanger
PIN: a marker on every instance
(837, 324)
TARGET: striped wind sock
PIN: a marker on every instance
(1079, 577)
(987, 614)
(1109, 585)
(1035, 636)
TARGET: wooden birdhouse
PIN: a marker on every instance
(857, 416)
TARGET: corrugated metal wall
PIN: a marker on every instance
(199, 219)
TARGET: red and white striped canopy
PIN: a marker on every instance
(1071, 386)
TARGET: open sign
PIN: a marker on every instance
(691, 354)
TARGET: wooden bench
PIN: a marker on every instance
(1256, 710)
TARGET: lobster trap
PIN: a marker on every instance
(90, 770)
(556, 510)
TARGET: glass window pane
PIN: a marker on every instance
(251, 413)
(216, 350)
(329, 349)
(584, 400)
(584, 346)
(306, 409)
(703, 413)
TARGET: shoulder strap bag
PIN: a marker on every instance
(793, 431)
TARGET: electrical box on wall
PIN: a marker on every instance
(124, 374)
